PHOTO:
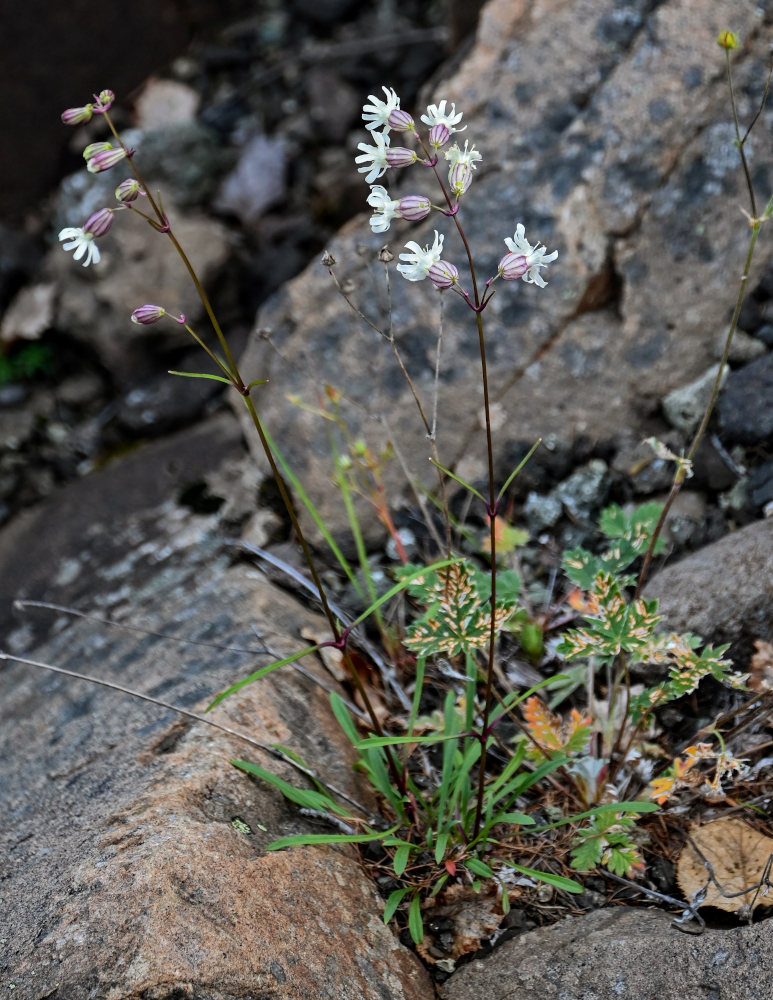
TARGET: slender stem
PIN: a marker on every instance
(242, 389)
(272, 751)
(491, 510)
(164, 224)
(681, 472)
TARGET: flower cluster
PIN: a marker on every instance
(99, 156)
(382, 117)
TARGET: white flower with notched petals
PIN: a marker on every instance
(462, 165)
(419, 261)
(376, 115)
(386, 208)
(82, 243)
(373, 157)
(436, 115)
(535, 257)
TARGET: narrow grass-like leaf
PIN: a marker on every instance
(461, 482)
(635, 806)
(344, 719)
(400, 861)
(440, 847)
(559, 881)
(380, 779)
(493, 788)
(518, 468)
(450, 728)
(417, 693)
(306, 797)
(309, 839)
(520, 819)
(439, 884)
(394, 900)
(478, 867)
(415, 925)
(214, 378)
(260, 673)
(388, 741)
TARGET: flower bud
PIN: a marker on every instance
(99, 223)
(413, 207)
(104, 101)
(399, 156)
(513, 266)
(77, 116)
(94, 148)
(128, 190)
(439, 135)
(443, 274)
(148, 314)
(728, 40)
(401, 121)
(460, 177)
(105, 159)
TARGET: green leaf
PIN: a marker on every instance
(344, 719)
(521, 819)
(308, 839)
(415, 925)
(478, 867)
(400, 861)
(440, 847)
(260, 673)
(305, 797)
(394, 900)
(213, 378)
(635, 806)
(388, 741)
(559, 881)
(587, 854)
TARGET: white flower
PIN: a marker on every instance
(536, 256)
(373, 157)
(418, 261)
(469, 157)
(376, 115)
(82, 243)
(436, 115)
(386, 208)
(462, 165)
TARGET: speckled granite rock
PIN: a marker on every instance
(122, 875)
(605, 128)
(634, 954)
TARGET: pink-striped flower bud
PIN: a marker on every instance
(439, 135)
(401, 121)
(460, 178)
(106, 159)
(513, 266)
(443, 274)
(99, 223)
(413, 207)
(104, 101)
(77, 116)
(95, 147)
(399, 156)
(148, 314)
(128, 190)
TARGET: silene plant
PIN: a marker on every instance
(482, 789)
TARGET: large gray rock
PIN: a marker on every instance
(723, 592)
(123, 875)
(606, 129)
(634, 954)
